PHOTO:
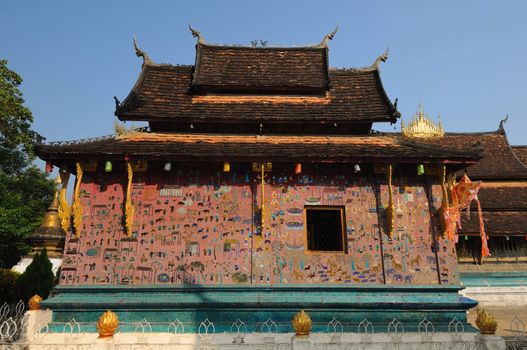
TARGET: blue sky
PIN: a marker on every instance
(462, 59)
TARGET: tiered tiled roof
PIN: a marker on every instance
(164, 93)
(521, 153)
(184, 146)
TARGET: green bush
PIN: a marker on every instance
(9, 291)
(38, 277)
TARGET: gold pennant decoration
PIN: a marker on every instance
(390, 210)
(64, 208)
(77, 206)
(263, 198)
(129, 207)
(443, 210)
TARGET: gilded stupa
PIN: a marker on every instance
(422, 126)
(49, 234)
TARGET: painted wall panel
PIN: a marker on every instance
(198, 225)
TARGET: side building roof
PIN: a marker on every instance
(500, 162)
(503, 195)
(503, 223)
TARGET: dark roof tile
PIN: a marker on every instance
(235, 68)
(163, 93)
(503, 196)
(499, 161)
(380, 148)
(496, 223)
(521, 153)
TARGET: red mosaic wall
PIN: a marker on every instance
(199, 225)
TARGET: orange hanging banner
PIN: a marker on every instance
(462, 195)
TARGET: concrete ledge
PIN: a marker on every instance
(259, 341)
(497, 296)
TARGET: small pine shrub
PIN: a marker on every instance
(38, 277)
(9, 291)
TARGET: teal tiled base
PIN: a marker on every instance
(494, 279)
(253, 305)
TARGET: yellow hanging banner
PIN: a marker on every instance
(77, 207)
(64, 208)
(129, 207)
(390, 210)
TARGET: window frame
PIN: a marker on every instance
(342, 210)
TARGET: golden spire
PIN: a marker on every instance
(52, 220)
(422, 126)
(50, 233)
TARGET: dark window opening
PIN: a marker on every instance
(325, 229)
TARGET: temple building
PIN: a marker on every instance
(258, 189)
(501, 278)
(503, 197)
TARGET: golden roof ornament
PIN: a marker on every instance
(422, 126)
(34, 302)
(486, 322)
(107, 324)
(302, 323)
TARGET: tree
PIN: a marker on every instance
(38, 277)
(9, 286)
(25, 191)
(15, 118)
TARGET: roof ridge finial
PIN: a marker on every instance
(141, 53)
(381, 58)
(502, 123)
(375, 65)
(328, 37)
(196, 34)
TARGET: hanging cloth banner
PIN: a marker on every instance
(448, 214)
(462, 195)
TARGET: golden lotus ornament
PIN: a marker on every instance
(34, 302)
(486, 322)
(302, 323)
(107, 324)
